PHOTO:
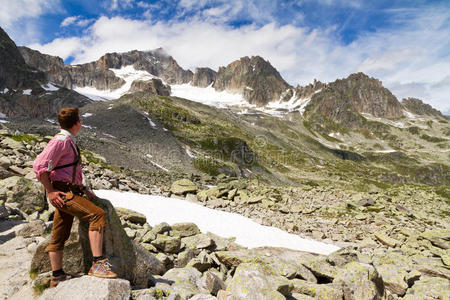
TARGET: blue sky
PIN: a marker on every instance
(405, 44)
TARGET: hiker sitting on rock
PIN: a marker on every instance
(58, 168)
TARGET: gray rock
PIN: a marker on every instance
(24, 194)
(429, 288)
(131, 215)
(211, 283)
(184, 229)
(182, 281)
(359, 282)
(255, 281)
(394, 278)
(203, 297)
(167, 244)
(184, 257)
(199, 241)
(183, 186)
(12, 144)
(34, 228)
(318, 291)
(89, 288)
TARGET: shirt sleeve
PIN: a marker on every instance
(49, 157)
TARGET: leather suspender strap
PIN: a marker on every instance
(77, 160)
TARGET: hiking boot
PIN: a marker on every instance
(55, 280)
(102, 269)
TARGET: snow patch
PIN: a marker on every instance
(109, 135)
(88, 126)
(385, 121)
(27, 92)
(151, 122)
(248, 233)
(5, 90)
(165, 129)
(87, 115)
(190, 154)
(49, 87)
(385, 151)
(50, 121)
(159, 166)
(2, 115)
(3, 121)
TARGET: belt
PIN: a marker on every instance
(68, 187)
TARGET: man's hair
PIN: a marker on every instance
(68, 116)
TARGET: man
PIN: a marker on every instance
(58, 168)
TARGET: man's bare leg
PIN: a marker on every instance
(56, 259)
(96, 240)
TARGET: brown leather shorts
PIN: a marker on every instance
(75, 206)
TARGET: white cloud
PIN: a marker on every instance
(19, 17)
(411, 59)
(69, 21)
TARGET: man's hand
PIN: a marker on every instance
(55, 198)
(90, 194)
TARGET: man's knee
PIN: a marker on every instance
(98, 220)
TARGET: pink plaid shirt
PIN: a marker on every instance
(58, 152)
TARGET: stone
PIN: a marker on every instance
(183, 186)
(412, 277)
(182, 281)
(225, 295)
(342, 257)
(305, 274)
(385, 240)
(203, 297)
(202, 262)
(131, 215)
(321, 269)
(34, 228)
(184, 257)
(211, 283)
(394, 278)
(130, 261)
(4, 173)
(318, 291)
(5, 162)
(89, 288)
(130, 232)
(255, 281)
(429, 288)
(359, 281)
(220, 242)
(199, 241)
(185, 229)
(12, 144)
(25, 194)
(167, 244)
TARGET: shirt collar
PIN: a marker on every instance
(66, 132)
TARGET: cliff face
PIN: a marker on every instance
(203, 77)
(255, 78)
(14, 72)
(416, 106)
(153, 86)
(97, 74)
(342, 100)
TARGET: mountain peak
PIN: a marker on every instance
(416, 106)
(254, 77)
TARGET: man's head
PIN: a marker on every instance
(69, 119)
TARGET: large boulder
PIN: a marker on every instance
(89, 288)
(182, 281)
(359, 281)
(429, 288)
(129, 260)
(23, 194)
(131, 216)
(257, 280)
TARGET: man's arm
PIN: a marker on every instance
(53, 195)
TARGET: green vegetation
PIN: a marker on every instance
(27, 138)
(432, 139)
(414, 130)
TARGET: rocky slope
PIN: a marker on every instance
(255, 78)
(342, 101)
(416, 106)
(14, 72)
(203, 77)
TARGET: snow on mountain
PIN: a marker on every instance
(127, 73)
(207, 95)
